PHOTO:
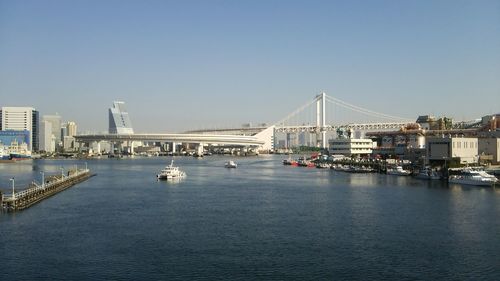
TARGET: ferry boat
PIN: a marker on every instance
(170, 172)
(231, 164)
(398, 171)
(473, 177)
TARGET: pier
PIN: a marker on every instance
(35, 192)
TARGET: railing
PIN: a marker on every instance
(35, 187)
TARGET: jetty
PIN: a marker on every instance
(35, 192)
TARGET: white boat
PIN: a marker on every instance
(473, 177)
(398, 171)
(170, 172)
(428, 173)
(231, 164)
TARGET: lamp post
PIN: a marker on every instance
(13, 189)
(43, 179)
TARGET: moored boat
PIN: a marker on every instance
(398, 171)
(473, 177)
(428, 173)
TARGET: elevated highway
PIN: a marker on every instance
(250, 141)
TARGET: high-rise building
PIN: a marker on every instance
(71, 129)
(47, 139)
(119, 120)
(55, 120)
(20, 119)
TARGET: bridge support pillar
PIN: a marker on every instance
(98, 148)
(321, 120)
(199, 149)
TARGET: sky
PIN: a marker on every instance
(182, 65)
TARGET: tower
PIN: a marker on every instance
(119, 120)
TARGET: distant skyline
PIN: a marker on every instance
(181, 65)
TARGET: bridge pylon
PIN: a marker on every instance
(321, 120)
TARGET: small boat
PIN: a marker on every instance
(323, 165)
(473, 177)
(398, 171)
(170, 172)
(231, 164)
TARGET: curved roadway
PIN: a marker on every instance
(187, 138)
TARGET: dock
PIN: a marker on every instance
(35, 192)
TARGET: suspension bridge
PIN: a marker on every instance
(328, 114)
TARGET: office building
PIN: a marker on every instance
(71, 129)
(119, 120)
(21, 119)
(55, 120)
(47, 139)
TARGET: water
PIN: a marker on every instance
(261, 221)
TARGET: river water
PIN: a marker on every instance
(261, 221)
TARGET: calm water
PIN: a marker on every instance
(261, 221)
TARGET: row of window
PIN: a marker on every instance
(464, 144)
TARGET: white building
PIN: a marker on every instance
(465, 150)
(350, 147)
(47, 139)
(69, 143)
(19, 119)
(55, 120)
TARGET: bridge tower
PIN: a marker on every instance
(321, 120)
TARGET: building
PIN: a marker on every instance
(47, 139)
(490, 148)
(69, 143)
(55, 120)
(71, 128)
(457, 149)
(119, 120)
(351, 147)
(21, 119)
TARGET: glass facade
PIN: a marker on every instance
(119, 120)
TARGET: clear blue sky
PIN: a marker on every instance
(195, 64)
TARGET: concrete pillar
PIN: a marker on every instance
(199, 149)
(99, 148)
(174, 147)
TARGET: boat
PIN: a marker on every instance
(473, 177)
(231, 164)
(428, 173)
(170, 172)
(323, 165)
(398, 171)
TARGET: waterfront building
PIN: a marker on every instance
(21, 119)
(490, 148)
(351, 147)
(462, 150)
(119, 120)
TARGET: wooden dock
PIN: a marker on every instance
(36, 192)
